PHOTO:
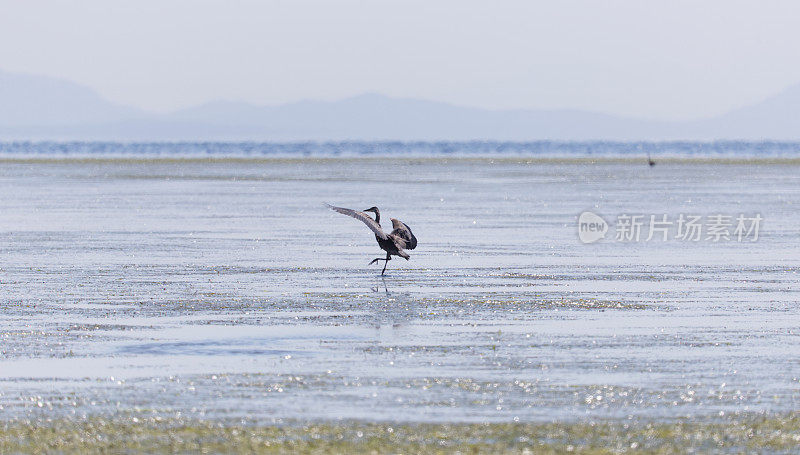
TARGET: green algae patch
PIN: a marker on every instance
(156, 435)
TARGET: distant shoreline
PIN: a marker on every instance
(545, 151)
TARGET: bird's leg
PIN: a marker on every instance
(388, 258)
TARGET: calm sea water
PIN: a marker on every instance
(137, 282)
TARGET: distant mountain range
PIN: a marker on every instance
(42, 108)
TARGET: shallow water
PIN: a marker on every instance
(224, 288)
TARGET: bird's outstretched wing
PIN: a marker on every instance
(366, 219)
(404, 233)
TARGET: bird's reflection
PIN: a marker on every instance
(377, 287)
(391, 309)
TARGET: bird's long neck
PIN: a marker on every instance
(377, 216)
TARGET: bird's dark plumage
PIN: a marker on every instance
(366, 219)
(403, 234)
(401, 238)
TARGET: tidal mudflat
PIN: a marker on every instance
(220, 296)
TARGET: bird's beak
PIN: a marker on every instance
(367, 210)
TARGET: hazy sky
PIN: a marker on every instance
(659, 59)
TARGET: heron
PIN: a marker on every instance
(394, 243)
(650, 160)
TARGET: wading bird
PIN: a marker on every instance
(650, 160)
(401, 238)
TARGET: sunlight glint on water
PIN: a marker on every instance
(225, 288)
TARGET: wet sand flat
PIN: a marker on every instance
(223, 290)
